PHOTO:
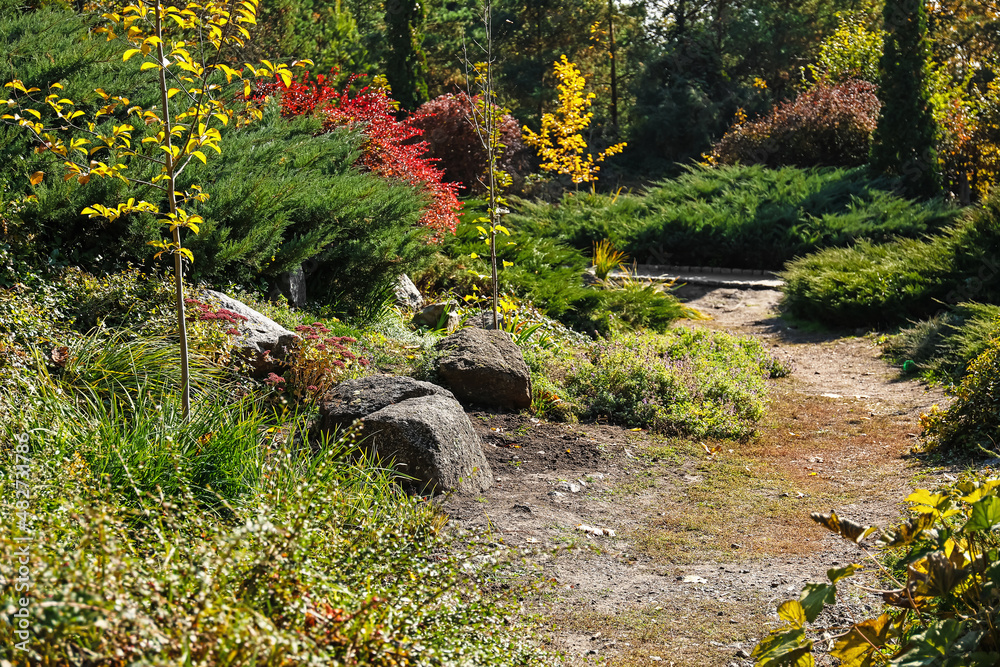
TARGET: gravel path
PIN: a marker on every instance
(641, 550)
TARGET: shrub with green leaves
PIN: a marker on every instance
(548, 273)
(870, 284)
(688, 381)
(284, 196)
(942, 606)
(971, 425)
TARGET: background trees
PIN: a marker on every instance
(904, 141)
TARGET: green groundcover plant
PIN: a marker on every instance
(941, 347)
(736, 216)
(686, 381)
(221, 539)
(872, 284)
(941, 607)
(971, 425)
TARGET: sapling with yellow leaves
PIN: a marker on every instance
(187, 50)
(486, 118)
(559, 142)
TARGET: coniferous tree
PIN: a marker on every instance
(405, 63)
(903, 144)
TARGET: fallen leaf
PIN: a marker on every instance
(60, 356)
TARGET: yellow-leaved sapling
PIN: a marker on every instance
(186, 49)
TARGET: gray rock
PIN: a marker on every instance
(418, 425)
(356, 399)
(485, 367)
(262, 342)
(484, 320)
(438, 316)
(407, 294)
(291, 285)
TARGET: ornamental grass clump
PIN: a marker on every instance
(607, 258)
(684, 381)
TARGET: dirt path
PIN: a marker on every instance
(703, 547)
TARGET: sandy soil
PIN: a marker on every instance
(635, 549)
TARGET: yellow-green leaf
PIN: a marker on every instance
(128, 54)
(172, 92)
(474, 255)
(792, 612)
(200, 156)
(858, 647)
(838, 573)
(148, 65)
(784, 649)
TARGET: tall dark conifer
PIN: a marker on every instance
(404, 66)
(903, 144)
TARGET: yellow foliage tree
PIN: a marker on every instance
(559, 142)
(185, 49)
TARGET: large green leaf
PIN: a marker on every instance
(947, 643)
(985, 515)
(814, 597)
(785, 649)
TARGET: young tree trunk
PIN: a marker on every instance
(172, 201)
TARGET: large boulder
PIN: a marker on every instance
(407, 294)
(262, 342)
(418, 425)
(438, 316)
(485, 367)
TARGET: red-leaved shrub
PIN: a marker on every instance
(392, 149)
(452, 140)
(826, 125)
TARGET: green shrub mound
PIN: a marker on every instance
(943, 599)
(870, 284)
(972, 424)
(549, 273)
(686, 381)
(738, 217)
(942, 347)
(280, 196)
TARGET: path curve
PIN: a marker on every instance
(704, 547)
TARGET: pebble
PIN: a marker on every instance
(569, 487)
